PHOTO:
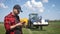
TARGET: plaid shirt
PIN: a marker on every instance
(9, 20)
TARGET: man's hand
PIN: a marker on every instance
(23, 22)
(18, 24)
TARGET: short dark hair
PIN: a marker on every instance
(17, 7)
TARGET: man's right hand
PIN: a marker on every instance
(19, 24)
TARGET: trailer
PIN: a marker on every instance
(36, 21)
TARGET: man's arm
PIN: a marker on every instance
(6, 23)
(8, 26)
(18, 24)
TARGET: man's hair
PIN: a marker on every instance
(17, 7)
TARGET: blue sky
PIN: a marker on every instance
(48, 9)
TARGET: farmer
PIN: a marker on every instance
(12, 22)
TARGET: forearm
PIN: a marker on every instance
(11, 27)
(19, 24)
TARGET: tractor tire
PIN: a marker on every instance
(37, 26)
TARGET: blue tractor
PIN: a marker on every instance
(36, 21)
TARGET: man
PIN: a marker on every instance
(12, 22)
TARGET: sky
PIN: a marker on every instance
(48, 9)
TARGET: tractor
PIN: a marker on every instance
(36, 21)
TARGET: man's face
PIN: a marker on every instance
(16, 12)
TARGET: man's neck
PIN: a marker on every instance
(14, 14)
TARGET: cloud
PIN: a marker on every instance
(45, 1)
(28, 4)
(33, 5)
(2, 5)
(41, 10)
(36, 4)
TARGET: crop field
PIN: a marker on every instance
(52, 28)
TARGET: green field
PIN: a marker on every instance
(52, 28)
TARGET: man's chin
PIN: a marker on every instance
(16, 14)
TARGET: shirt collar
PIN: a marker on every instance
(11, 13)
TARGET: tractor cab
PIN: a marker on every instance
(33, 17)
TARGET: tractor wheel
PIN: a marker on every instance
(37, 26)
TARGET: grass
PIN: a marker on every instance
(52, 28)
